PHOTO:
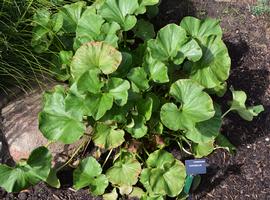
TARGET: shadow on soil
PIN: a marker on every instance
(255, 83)
(173, 11)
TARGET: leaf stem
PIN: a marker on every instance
(146, 151)
(226, 113)
(107, 158)
(48, 144)
(125, 38)
(182, 148)
(72, 156)
(183, 138)
(140, 158)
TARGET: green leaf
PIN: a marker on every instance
(168, 42)
(238, 105)
(196, 106)
(77, 105)
(137, 193)
(125, 170)
(125, 65)
(52, 179)
(56, 123)
(144, 30)
(111, 196)
(152, 197)
(206, 131)
(159, 159)
(145, 107)
(109, 33)
(219, 90)
(90, 82)
(120, 11)
(118, 88)
(164, 174)
(89, 174)
(89, 27)
(224, 143)
(214, 66)
(100, 104)
(191, 50)
(26, 173)
(95, 55)
(65, 58)
(45, 26)
(201, 28)
(137, 128)
(125, 190)
(138, 54)
(157, 70)
(117, 114)
(143, 4)
(139, 77)
(71, 14)
(108, 137)
(61, 65)
(152, 11)
(202, 149)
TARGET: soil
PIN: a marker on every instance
(245, 175)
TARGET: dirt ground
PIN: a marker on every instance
(245, 175)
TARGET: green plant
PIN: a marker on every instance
(262, 7)
(19, 65)
(138, 99)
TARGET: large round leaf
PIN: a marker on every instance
(25, 174)
(89, 27)
(56, 123)
(206, 131)
(120, 11)
(164, 176)
(94, 55)
(125, 170)
(214, 66)
(201, 28)
(89, 174)
(99, 104)
(168, 42)
(108, 137)
(196, 106)
(71, 14)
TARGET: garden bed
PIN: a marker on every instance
(246, 174)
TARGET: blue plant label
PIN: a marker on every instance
(194, 167)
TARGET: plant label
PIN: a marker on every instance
(194, 167)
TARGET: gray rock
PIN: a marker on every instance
(20, 128)
(5, 157)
